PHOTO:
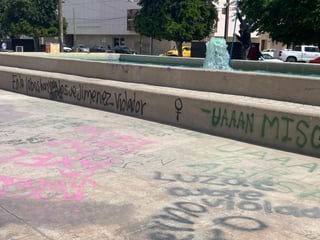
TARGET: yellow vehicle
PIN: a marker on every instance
(186, 52)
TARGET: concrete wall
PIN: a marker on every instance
(186, 98)
(293, 88)
(138, 43)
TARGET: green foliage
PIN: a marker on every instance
(36, 18)
(179, 20)
(287, 21)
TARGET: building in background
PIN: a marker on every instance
(106, 23)
(226, 27)
(110, 23)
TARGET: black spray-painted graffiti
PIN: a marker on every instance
(179, 220)
(48, 120)
(178, 105)
(227, 159)
(6, 133)
(30, 140)
(277, 127)
(57, 90)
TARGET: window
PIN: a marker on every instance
(311, 49)
(118, 42)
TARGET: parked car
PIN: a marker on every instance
(303, 53)
(186, 52)
(67, 49)
(272, 52)
(98, 48)
(80, 48)
(315, 60)
(267, 58)
(123, 49)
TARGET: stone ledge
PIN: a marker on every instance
(291, 88)
(282, 125)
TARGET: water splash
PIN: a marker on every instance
(217, 56)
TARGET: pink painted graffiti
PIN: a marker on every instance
(21, 153)
(69, 187)
(78, 162)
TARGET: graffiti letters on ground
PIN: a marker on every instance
(57, 90)
(53, 121)
(277, 127)
(283, 171)
(74, 160)
(236, 203)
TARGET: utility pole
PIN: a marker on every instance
(74, 27)
(60, 25)
(226, 23)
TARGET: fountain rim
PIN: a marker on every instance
(195, 64)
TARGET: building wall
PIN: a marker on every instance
(100, 22)
(233, 27)
(139, 43)
(267, 43)
(97, 17)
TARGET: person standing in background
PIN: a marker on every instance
(244, 36)
(254, 53)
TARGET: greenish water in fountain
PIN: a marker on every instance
(217, 55)
(217, 58)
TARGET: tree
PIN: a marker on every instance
(179, 20)
(287, 21)
(34, 18)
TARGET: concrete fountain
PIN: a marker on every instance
(267, 108)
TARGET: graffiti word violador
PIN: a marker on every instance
(58, 90)
(178, 220)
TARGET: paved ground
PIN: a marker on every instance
(68, 172)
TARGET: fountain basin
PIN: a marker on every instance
(281, 111)
(291, 86)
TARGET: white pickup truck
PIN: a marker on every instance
(302, 53)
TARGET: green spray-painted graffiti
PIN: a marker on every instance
(300, 134)
(287, 129)
(243, 121)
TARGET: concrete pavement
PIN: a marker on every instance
(70, 172)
